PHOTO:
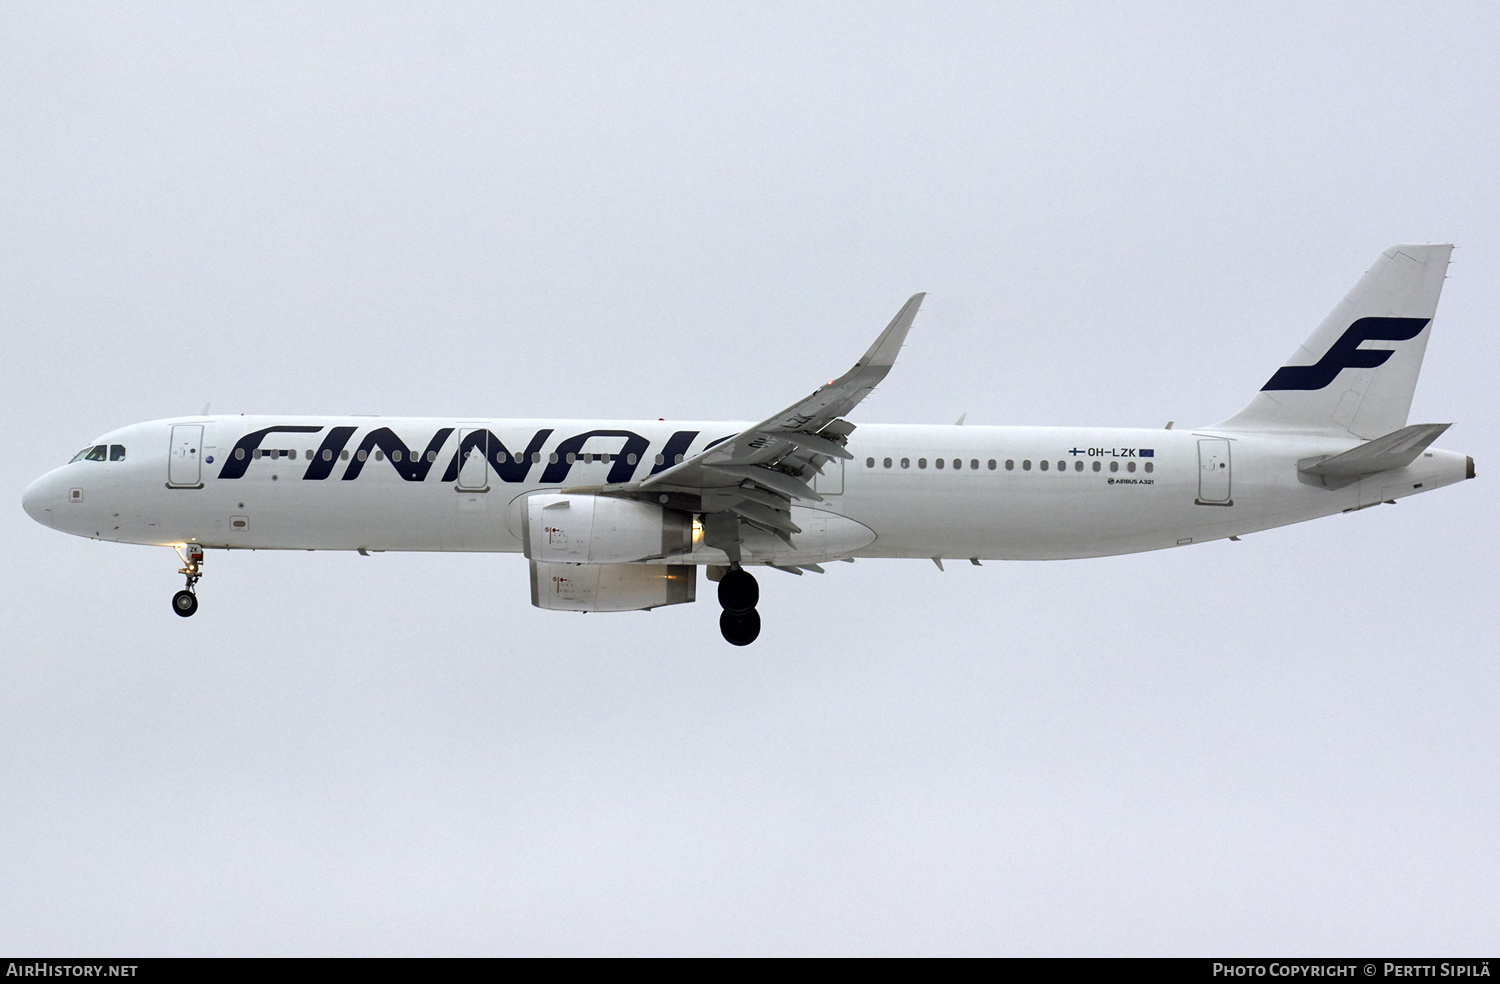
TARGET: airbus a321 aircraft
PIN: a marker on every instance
(618, 515)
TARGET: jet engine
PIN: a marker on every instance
(611, 587)
(595, 529)
(585, 549)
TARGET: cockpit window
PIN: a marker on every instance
(100, 452)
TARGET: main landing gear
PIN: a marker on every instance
(738, 594)
(185, 602)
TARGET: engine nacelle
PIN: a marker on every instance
(596, 529)
(611, 587)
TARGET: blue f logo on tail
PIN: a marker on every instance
(1346, 353)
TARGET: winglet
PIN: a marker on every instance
(883, 352)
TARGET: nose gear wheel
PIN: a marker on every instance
(185, 602)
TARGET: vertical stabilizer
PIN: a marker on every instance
(1356, 374)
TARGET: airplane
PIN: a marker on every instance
(620, 515)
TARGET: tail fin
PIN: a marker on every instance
(1334, 385)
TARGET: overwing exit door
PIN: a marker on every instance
(184, 460)
(831, 482)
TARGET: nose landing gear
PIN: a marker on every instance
(738, 594)
(185, 602)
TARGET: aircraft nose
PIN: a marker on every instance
(39, 499)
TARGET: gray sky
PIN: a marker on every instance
(1124, 215)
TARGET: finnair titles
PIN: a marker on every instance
(620, 515)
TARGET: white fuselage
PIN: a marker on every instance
(1051, 492)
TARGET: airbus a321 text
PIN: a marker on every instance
(619, 515)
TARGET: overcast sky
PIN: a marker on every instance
(1124, 214)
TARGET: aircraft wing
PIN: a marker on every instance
(757, 473)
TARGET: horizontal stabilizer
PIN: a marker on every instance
(1395, 450)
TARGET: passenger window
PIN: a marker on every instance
(1010, 464)
(869, 462)
(1114, 466)
(239, 454)
(256, 454)
(379, 454)
(396, 455)
(958, 462)
(887, 462)
(921, 462)
(630, 459)
(974, 464)
(1026, 465)
(309, 454)
(992, 464)
(659, 459)
(1097, 466)
(1149, 468)
(571, 457)
(939, 463)
(606, 457)
(117, 452)
(1044, 465)
(677, 460)
(1130, 466)
(362, 454)
(344, 455)
(431, 457)
(905, 462)
(1078, 466)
